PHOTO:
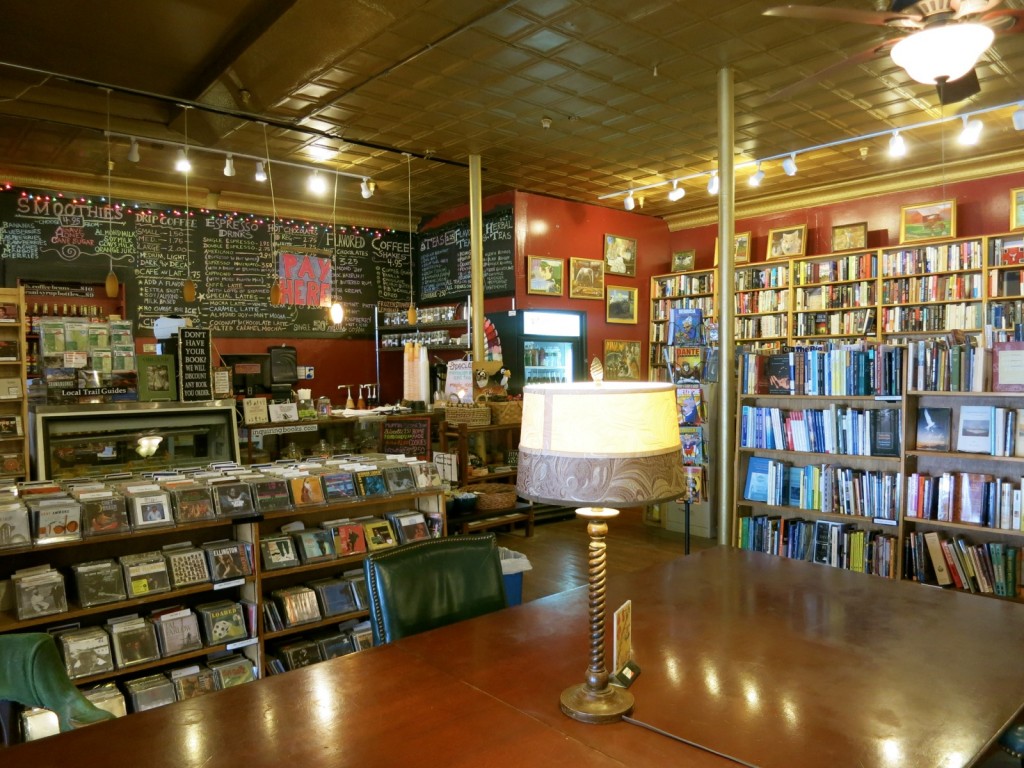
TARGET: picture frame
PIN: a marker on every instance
(1017, 208)
(622, 360)
(850, 237)
(157, 379)
(683, 261)
(545, 276)
(586, 279)
(620, 255)
(620, 304)
(927, 221)
(787, 242)
(740, 248)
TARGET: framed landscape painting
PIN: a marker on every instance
(930, 221)
(740, 248)
(620, 304)
(848, 237)
(1017, 208)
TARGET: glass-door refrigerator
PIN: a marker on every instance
(539, 346)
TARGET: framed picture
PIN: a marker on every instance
(156, 377)
(547, 276)
(586, 279)
(740, 248)
(621, 360)
(1017, 208)
(683, 261)
(927, 222)
(620, 304)
(619, 255)
(787, 242)
(847, 237)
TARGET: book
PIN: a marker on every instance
(1008, 365)
(933, 429)
(684, 326)
(780, 375)
(690, 404)
(938, 559)
(756, 485)
(684, 363)
(885, 432)
(975, 431)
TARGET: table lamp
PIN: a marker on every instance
(602, 445)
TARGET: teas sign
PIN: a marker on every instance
(195, 379)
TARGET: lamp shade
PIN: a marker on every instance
(610, 444)
(942, 53)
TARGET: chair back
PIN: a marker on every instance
(431, 583)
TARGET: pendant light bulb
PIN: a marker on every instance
(275, 292)
(133, 151)
(182, 163)
(411, 314)
(337, 313)
(188, 291)
(229, 165)
(261, 174)
(713, 183)
(112, 286)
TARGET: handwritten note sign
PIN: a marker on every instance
(409, 436)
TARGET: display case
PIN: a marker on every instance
(94, 439)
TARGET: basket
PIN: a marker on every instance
(506, 412)
(471, 415)
(494, 496)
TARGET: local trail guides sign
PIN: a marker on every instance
(195, 372)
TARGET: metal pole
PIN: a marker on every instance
(476, 258)
(726, 311)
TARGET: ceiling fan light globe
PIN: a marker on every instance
(942, 53)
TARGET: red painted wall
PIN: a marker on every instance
(982, 208)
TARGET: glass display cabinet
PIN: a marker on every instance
(100, 438)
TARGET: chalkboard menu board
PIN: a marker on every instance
(231, 258)
(406, 435)
(444, 262)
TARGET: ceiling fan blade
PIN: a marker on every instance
(1004, 22)
(964, 8)
(850, 61)
(877, 18)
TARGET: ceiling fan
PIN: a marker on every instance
(939, 41)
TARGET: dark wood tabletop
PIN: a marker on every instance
(773, 662)
(778, 663)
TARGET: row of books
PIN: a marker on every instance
(942, 257)
(831, 322)
(837, 429)
(972, 498)
(842, 296)
(951, 363)
(856, 266)
(45, 512)
(130, 640)
(41, 591)
(825, 488)
(762, 301)
(765, 276)
(148, 692)
(863, 368)
(925, 288)
(683, 284)
(991, 568)
(348, 637)
(841, 545)
(932, 317)
(762, 326)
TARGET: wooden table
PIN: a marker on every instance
(774, 662)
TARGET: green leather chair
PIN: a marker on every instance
(428, 584)
(32, 674)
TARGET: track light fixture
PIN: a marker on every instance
(713, 183)
(897, 146)
(1018, 118)
(261, 173)
(317, 183)
(676, 193)
(229, 165)
(789, 165)
(971, 131)
(630, 202)
(182, 163)
(367, 188)
(756, 177)
(133, 151)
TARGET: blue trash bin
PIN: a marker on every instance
(513, 564)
